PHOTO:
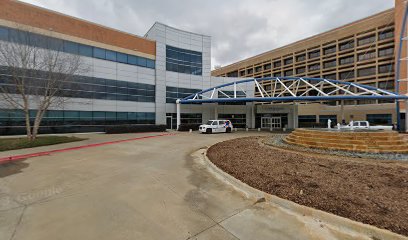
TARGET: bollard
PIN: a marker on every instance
(246, 129)
(259, 129)
(191, 130)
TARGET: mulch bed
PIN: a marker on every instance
(369, 191)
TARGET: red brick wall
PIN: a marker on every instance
(30, 15)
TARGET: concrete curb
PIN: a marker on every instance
(336, 223)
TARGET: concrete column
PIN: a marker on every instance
(178, 113)
(216, 111)
(406, 115)
(253, 115)
(295, 116)
(342, 111)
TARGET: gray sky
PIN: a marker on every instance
(239, 28)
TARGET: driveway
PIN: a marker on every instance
(149, 188)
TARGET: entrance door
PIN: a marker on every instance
(265, 122)
(169, 122)
(276, 122)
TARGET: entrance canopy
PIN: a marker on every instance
(289, 89)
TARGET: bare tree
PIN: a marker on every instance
(37, 75)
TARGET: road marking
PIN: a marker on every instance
(37, 154)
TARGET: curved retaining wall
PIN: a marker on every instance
(373, 142)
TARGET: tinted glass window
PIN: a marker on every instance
(110, 55)
(132, 60)
(71, 47)
(150, 64)
(85, 50)
(141, 62)
(122, 58)
(99, 53)
(183, 61)
(4, 33)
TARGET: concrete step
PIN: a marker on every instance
(373, 142)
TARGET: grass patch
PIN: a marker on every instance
(7, 144)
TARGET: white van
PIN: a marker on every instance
(216, 126)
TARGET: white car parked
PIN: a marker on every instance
(365, 125)
(216, 126)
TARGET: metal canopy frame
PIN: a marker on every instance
(289, 91)
(319, 89)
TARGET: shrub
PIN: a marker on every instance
(134, 128)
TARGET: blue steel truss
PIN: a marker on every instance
(290, 89)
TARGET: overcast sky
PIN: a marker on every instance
(239, 28)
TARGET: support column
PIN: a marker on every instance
(342, 111)
(406, 115)
(295, 116)
(216, 111)
(178, 114)
(252, 115)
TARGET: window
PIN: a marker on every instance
(98, 88)
(237, 120)
(85, 50)
(250, 71)
(122, 58)
(267, 66)
(314, 54)
(314, 67)
(258, 69)
(232, 74)
(386, 52)
(174, 93)
(132, 60)
(329, 50)
(346, 75)
(110, 55)
(142, 62)
(366, 56)
(277, 64)
(346, 60)
(386, 34)
(324, 118)
(151, 64)
(288, 61)
(301, 58)
(183, 61)
(300, 70)
(366, 72)
(288, 73)
(329, 64)
(242, 73)
(387, 85)
(71, 47)
(366, 40)
(379, 119)
(388, 68)
(4, 34)
(306, 120)
(330, 76)
(278, 74)
(99, 53)
(346, 45)
(41, 41)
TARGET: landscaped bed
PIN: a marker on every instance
(370, 191)
(7, 144)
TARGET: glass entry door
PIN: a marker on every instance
(276, 122)
(265, 122)
(169, 122)
(271, 122)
